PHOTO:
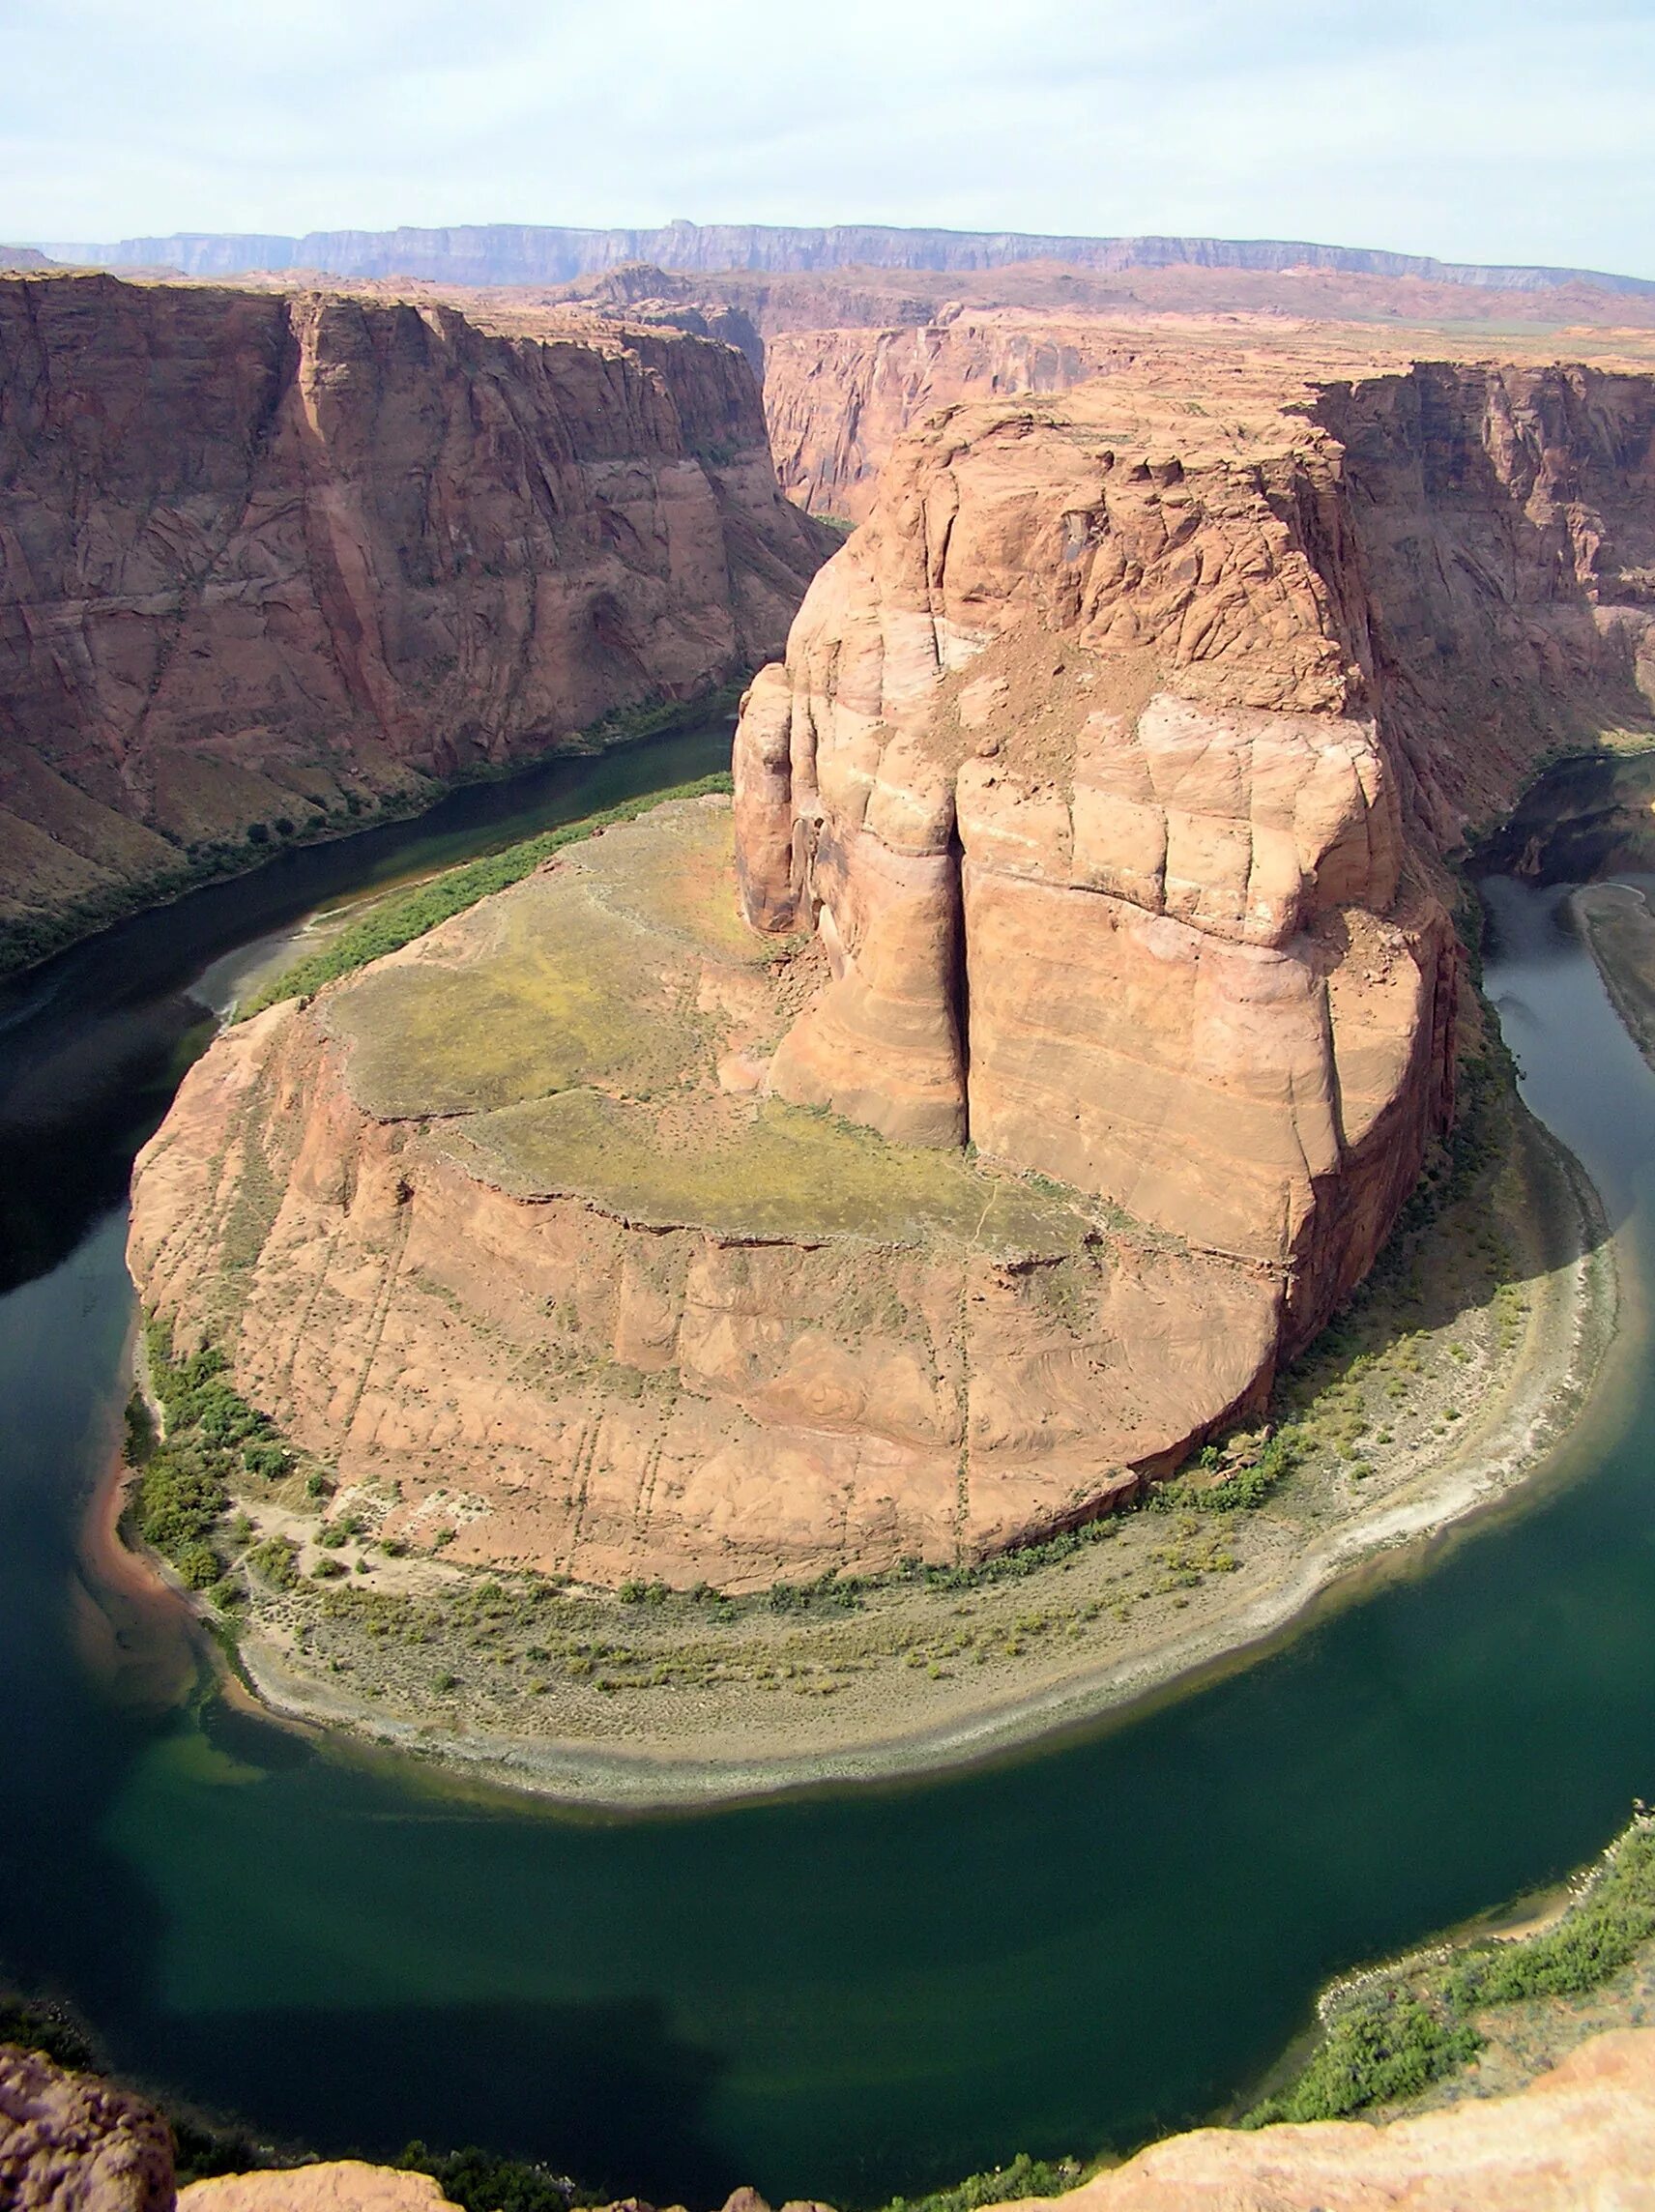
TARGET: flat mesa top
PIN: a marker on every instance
(599, 1029)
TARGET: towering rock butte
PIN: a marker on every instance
(1110, 760)
(1097, 1009)
(264, 557)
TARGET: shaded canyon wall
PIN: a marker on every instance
(268, 559)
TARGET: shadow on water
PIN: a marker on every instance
(93, 1043)
(72, 1913)
(602, 2091)
(1588, 818)
(856, 1993)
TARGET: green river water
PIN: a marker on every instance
(836, 1995)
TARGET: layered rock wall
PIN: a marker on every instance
(1110, 758)
(837, 401)
(535, 254)
(264, 559)
(1504, 523)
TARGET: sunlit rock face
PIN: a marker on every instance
(1112, 758)
(1089, 1009)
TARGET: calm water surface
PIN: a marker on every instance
(840, 1996)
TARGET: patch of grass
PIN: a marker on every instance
(397, 922)
(781, 1171)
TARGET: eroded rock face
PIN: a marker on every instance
(837, 401)
(1111, 755)
(1071, 769)
(266, 558)
(70, 2142)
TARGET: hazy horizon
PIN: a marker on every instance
(1468, 131)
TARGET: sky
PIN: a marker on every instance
(1509, 132)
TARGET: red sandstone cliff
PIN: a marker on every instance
(836, 401)
(264, 557)
(1111, 756)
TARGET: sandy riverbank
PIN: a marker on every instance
(1618, 930)
(1460, 1367)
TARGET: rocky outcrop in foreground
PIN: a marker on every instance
(70, 2142)
(1582, 2135)
(269, 559)
(342, 2185)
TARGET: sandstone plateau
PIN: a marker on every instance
(1094, 1007)
(503, 1227)
(268, 559)
(535, 254)
(1583, 2136)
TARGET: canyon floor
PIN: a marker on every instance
(1438, 1391)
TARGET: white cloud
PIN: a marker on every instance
(1471, 130)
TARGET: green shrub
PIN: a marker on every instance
(1024, 2176)
(1408, 2027)
(1595, 1938)
(199, 1565)
(479, 2182)
(1387, 2046)
(274, 1562)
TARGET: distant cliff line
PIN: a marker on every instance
(538, 254)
